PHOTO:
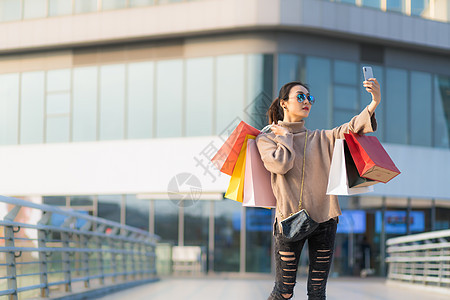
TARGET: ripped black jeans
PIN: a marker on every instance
(287, 255)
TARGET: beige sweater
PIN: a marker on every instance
(283, 157)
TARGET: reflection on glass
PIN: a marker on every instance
(113, 4)
(395, 5)
(140, 100)
(372, 3)
(60, 7)
(112, 102)
(9, 109)
(169, 89)
(34, 9)
(258, 239)
(10, 10)
(259, 88)
(84, 6)
(318, 77)
(345, 97)
(366, 98)
(166, 221)
(199, 96)
(345, 72)
(81, 200)
(442, 111)
(289, 69)
(137, 3)
(137, 212)
(396, 106)
(421, 109)
(32, 108)
(196, 224)
(58, 128)
(227, 224)
(342, 116)
(420, 7)
(109, 207)
(54, 200)
(84, 104)
(230, 91)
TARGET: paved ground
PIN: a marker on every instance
(258, 289)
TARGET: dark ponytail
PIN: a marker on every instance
(275, 111)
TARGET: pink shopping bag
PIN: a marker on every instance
(257, 182)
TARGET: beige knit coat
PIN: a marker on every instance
(283, 157)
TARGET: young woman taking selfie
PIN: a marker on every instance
(299, 161)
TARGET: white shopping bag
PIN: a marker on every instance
(337, 179)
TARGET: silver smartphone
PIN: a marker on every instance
(368, 73)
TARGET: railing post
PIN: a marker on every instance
(111, 244)
(100, 229)
(11, 256)
(65, 240)
(124, 259)
(42, 240)
(84, 240)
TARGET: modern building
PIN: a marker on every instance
(115, 107)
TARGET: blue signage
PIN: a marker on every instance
(395, 221)
(352, 221)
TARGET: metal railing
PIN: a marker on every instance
(422, 259)
(46, 248)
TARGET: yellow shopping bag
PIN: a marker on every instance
(235, 189)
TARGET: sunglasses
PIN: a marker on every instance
(302, 97)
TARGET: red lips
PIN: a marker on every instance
(306, 108)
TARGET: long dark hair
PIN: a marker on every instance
(275, 111)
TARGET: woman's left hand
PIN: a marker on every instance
(373, 87)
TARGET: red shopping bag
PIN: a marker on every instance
(370, 158)
(225, 159)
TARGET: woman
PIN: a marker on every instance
(293, 174)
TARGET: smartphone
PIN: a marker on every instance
(368, 73)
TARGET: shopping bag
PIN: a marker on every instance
(337, 178)
(354, 179)
(370, 158)
(225, 159)
(257, 180)
(236, 186)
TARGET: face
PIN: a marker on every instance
(296, 110)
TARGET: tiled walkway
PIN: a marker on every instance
(256, 289)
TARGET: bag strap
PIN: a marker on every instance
(303, 179)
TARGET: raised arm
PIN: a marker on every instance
(278, 153)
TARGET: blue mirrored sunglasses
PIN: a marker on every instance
(302, 97)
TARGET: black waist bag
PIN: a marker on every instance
(298, 226)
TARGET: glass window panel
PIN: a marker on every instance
(60, 7)
(395, 5)
(372, 3)
(345, 72)
(32, 108)
(259, 88)
(396, 106)
(289, 69)
(85, 104)
(58, 103)
(9, 109)
(258, 239)
(196, 224)
(421, 105)
(227, 232)
(34, 9)
(54, 200)
(113, 4)
(112, 102)
(109, 207)
(58, 80)
(345, 97)
(169, 97)
(166, 221)
(419, 7)
(341, 117)
(318, 77)
(58, 128)
(230, 90)
(442, 111)
(140, 100)
(85, 6)
(10, 10)
(346, 1)
(199, 96)
(137, 212)
(366, 98)
(137, 3)
(81, 200)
